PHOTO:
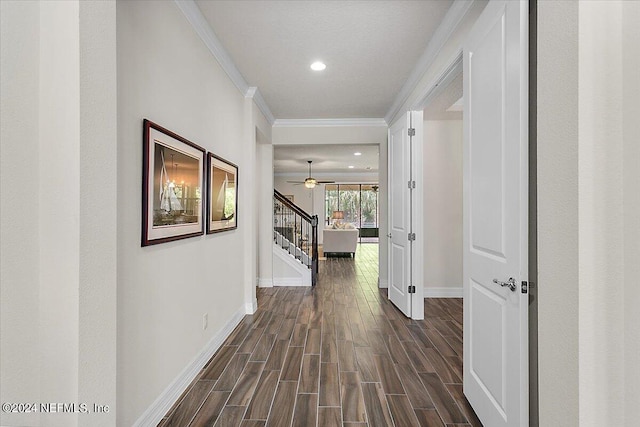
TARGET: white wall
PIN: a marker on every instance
(383, 214)
(631, 202)
(609, 227)
(166, 74)
(265, 210)
(588, 212)
(249, 201)
(442, 173)
(98, 209)
(600, 220)
(19, 218)
(59, 59)
(557, 99)
(97, 312)
(59, 118)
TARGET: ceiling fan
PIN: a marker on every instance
(310, 182)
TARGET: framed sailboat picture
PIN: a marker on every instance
(222, 195)
(172, 186)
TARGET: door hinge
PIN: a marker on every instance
(412, 132)
(412, 289)
(411, 237)
(411, 185)
(524, 287)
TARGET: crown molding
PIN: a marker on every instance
(254, 92)
(282, 123)
(199, 23)
(452, 19)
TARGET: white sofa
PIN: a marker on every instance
(336, 241)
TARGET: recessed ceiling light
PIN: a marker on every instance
(318, 66)
(357, 154)
(351, 166)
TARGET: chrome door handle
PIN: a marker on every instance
(511, 283)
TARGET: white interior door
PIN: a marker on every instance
(400, 214)
(495, 215)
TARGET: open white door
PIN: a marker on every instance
(495, 215)
(400, 214)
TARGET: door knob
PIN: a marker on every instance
(511, 284)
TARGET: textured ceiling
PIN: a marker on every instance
(370, 48)
(327, 159)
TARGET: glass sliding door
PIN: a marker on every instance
(358, 202)
(331, 202)
(368, 206)
(349, 199)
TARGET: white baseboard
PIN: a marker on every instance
(251, 307)
(265, 282)
(382, 283)
(154, 413)
(448, 292)
(290, 281)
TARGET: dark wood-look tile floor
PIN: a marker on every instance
(339, 354)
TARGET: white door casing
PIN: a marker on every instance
(399, 162)
(495, 197)
(417, 214)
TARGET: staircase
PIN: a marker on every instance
(296, 232)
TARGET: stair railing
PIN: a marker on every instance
(296, 231)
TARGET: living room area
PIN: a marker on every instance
(339, 184)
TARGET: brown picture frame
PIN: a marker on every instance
(222, 194)
(173, 171)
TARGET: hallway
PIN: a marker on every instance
(339, 354)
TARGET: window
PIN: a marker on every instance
(359, 202)
(369, 206)
(330, 200)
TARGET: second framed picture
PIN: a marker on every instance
(222, 195)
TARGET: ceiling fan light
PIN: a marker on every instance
(310, 182)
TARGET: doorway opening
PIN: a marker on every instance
(490, 184)
(442, 221)
(442, 195)
(349, 196)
